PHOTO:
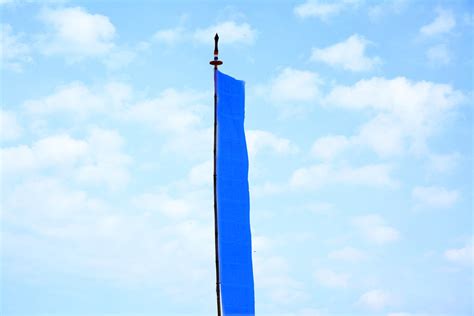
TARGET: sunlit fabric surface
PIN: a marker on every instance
(235, 246)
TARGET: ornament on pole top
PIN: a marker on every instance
(216, 62)
(216, 49)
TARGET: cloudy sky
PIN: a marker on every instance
(359, 128)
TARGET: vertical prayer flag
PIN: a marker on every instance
(233, 202)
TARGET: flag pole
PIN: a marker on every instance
(216, 62)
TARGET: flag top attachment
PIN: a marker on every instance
(216, 62)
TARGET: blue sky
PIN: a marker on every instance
(359, 128)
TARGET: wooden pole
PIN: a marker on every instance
(216, 62)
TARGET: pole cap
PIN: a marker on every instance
(216, 62)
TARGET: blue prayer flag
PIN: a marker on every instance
(233, 202)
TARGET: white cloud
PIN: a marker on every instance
(95, 160)
(119, 58)
(464, 255)
(375, 299)
(266, 189)
(328, 147)
(405, 115)
(398, 95)
(202, 173)
(122, 248)
(405, 111)
(292, 91)
(74, 97)
(78, 99)
(438, 54)
(293, 85)
(332, 279)
(172, 111)
(198, 141)
(374, 228)
(260, 140)
(59, 150)
(52, 151)
(383, 134)
(229, 32)
(14, 53)
(323, 9)
(170, 36)
(262, 244)
(443, 163)
(122, 244)
(434, 197)
(76, 33)
(377, 11)
(272, 274)
(163, 203)
(17, 159)
(183, 116)
(106, 163)
(443, 23)
(349, 254)
(47, 206)
(348, 54)
(316, 176)
(9, 126)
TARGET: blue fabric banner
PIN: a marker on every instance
(233, 203)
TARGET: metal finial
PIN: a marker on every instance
(216, 41)
(216, 62)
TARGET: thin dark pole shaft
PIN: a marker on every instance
(216, 62)
(216, 229)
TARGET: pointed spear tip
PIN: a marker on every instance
(216, 42)
(216, 62)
